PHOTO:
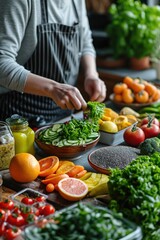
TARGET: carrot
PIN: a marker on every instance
(75, 170)
(81, 174)
(54, 180)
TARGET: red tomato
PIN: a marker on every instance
(7, 204)
(40, 199)
(27, 201)
(25, 211)
(46, 210)
(30, 218)
(2, 229)
(151, 119)
(133, 136)
(12, 233)
(16, 220)
(2, 215)
(150, 130)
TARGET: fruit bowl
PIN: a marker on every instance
(64, 152)
(135, 106)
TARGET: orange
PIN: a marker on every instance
(72, 189)
(48, 165)
(24, 167)
(119, 87)
(65, 167)
(49, 187)
(128, 81)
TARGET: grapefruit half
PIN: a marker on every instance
(72, 189)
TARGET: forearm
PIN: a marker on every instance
(88, 65)
(38, 85)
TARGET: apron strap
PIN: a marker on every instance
(44, 11)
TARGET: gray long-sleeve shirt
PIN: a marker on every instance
(18, 24)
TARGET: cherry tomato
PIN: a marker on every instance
(25, 211)
(7, 204)
(133, 136)
(150, 130)
(40, 199)
(30, 218)
(2, 215)
(46, 210)
(151, 119)
(16, 220)
(2, 229)
(12, 233)
(27, 200)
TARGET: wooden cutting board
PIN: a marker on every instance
(54, 198)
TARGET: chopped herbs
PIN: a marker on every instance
(72, 133)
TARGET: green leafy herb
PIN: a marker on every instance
(135, 191)
(73, 132)
(95, 110)
(81, 223)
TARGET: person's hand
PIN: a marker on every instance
(95, 88)
(68, 97)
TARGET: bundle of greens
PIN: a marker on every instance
(94, 110)
(135, 192)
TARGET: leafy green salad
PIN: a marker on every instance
(76, 131)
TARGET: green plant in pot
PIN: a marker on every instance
(133, 29)
(155, 56)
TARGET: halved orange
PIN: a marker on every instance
(72, 189)
(48, 165)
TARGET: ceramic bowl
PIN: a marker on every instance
(104, 158)
(65, 152)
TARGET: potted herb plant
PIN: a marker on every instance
(133, 29)
(155, 56)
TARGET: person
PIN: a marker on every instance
(43, 44)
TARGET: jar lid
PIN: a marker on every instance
(16, 119)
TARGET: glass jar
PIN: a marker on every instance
(24, 136)
(7, 145)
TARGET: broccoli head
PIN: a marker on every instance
(149, 146)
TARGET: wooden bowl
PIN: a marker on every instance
(65, 152)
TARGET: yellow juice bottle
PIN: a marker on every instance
(24, 136)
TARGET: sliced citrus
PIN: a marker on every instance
(24, 167)
(72, 189)
(54, 180)
(48, 165)
(65, 167)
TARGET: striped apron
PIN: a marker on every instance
(57, 56)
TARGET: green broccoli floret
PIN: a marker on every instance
(150, 146)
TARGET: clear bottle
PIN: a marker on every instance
(7, 145)
(24, 136)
